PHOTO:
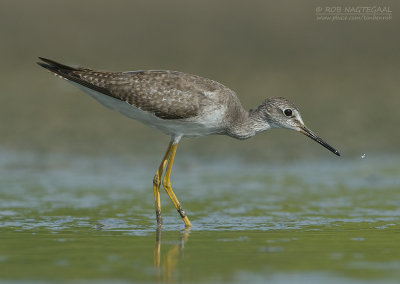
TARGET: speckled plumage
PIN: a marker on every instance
(167, 94)
(175, 97)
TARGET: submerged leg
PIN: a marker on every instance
(168, 187)
(157, 183)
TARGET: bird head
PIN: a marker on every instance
(281, 113)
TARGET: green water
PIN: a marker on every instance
(70, 219)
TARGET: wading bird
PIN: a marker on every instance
(181, 105)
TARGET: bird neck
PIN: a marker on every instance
(247, 124)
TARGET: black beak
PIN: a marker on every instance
(309, 133)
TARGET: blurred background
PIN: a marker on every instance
(75, 178)
(344, 76)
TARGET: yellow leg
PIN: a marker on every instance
(168, 187)
(157, 183)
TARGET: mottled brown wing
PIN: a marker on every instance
(167, 94)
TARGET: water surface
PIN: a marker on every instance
(90, 219)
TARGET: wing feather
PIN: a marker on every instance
(166, 94)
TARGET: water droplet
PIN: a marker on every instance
(362, 156)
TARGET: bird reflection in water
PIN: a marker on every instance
(165, 263)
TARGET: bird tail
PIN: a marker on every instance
(71, 74)
(56, 68)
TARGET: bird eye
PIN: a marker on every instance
(288, 112)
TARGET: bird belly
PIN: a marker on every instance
(209, 122)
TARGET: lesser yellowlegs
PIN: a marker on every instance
(181, 105)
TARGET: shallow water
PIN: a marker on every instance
(85, 219)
